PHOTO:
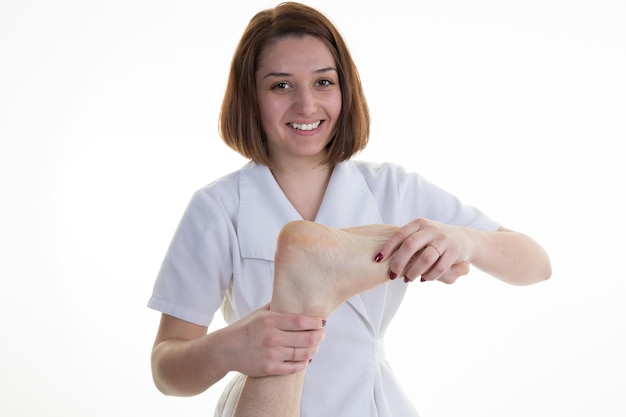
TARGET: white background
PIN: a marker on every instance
(108, 123)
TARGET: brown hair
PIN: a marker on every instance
(239, 123)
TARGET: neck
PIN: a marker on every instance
(304, 186)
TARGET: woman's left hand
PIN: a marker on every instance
(429, 250)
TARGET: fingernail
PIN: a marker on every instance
(422, 280)
(323, 323)
(310, 360)
(392, 275)
(406, 280)
(378, 257)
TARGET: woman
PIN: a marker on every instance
(295, 107)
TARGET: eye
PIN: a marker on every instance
(325, 83)
(280, 86)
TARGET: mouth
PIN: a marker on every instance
(305, 126)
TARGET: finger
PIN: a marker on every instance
(305, 339)
(288, 367)
(299, 354)
(397, 239)
(429, 260)
(456, 271)
(413, 254)
(297, 323)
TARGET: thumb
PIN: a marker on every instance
(457, 270)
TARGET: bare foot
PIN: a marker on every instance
(317, 268)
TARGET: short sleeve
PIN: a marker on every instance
(197, 268)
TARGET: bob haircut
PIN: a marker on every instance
(239, 123)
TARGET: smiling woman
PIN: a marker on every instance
(239, 124)
(299, 98)
(517, 107)
(294, 105)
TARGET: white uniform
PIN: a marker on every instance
(222, 255)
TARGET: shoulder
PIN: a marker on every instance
(226, 184)
(382, 170)
(219, 197)
(385, 174)
(377, 168)
(394, 182)
(225, 187)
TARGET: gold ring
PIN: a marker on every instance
(435, 248)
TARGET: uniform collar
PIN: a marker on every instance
(264, 209)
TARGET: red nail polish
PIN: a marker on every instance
(406, 280)
(422, 280)
(392, 275)
(379, 257)
(310, 360)
(323, 323)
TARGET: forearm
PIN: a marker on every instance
(186, 367)
(510, 256)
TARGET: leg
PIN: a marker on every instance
(317, 268)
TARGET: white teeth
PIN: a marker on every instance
(309, 126)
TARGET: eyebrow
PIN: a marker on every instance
(286, 74)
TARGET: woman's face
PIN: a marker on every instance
(299, 97)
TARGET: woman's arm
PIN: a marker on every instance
(510, 256)
(186, 360)
(429, 250)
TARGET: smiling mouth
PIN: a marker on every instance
(306, 126)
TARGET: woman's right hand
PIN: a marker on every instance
(268, 343)
(186, 360)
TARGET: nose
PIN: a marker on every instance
(305, 102)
